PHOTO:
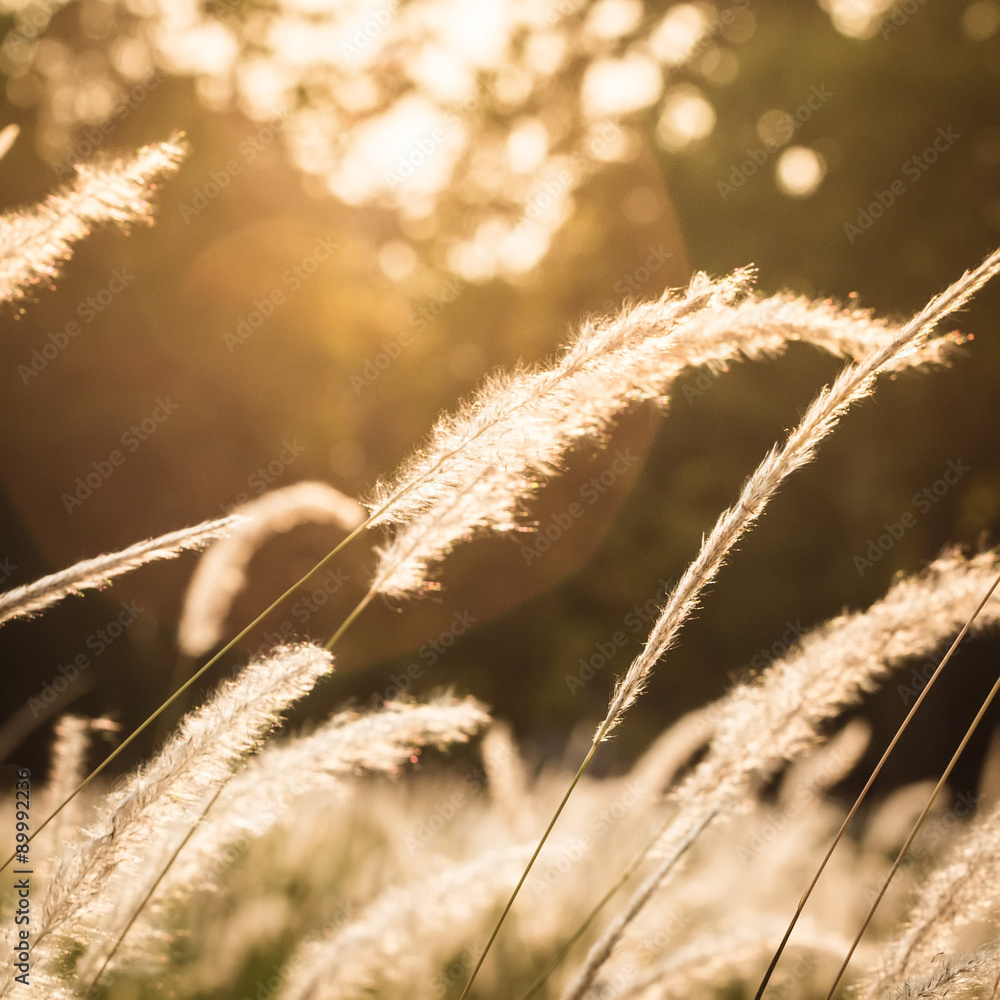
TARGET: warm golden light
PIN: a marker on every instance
(799, 171)
(617, 86)
(857, 18)
(676, 36)
(686, 116)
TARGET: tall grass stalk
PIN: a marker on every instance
(853, 384)
(132, 859)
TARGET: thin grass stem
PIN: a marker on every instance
(913, 832)
(630, 870)
(524, 875)
(186, 685)
(149, 895)
(864, 791)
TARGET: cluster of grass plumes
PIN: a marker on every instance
(325, 870)
(307, 866)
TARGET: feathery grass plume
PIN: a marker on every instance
(975, 975)
(715, 956)
(481, 463)
(405, 929)
(35, 242)
(345, 746)
(222, 570)
(72, 739)
(507, 778)
(602, 950)
(961, 892)
(166, 794)
(674, 748)
(893, 817)
(92, 573)
(830, 764)
(7, 138)
(855, 382)
(761, 726)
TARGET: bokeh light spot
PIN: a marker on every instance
(856, 18)
(617, 86)
(686, 115)
(397, 259)
(980, 20)
(799, 171)
(613, 18)
(676, 36)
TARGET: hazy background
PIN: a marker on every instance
(561, 159)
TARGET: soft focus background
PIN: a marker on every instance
(384, 201)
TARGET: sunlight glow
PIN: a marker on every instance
(677, 35)
(407, 150)
(857, 18)
(686, 116)
(613, 18)
(527, 145)
(617, 86)
(799, 171)
(397, 259)
(445, 112)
